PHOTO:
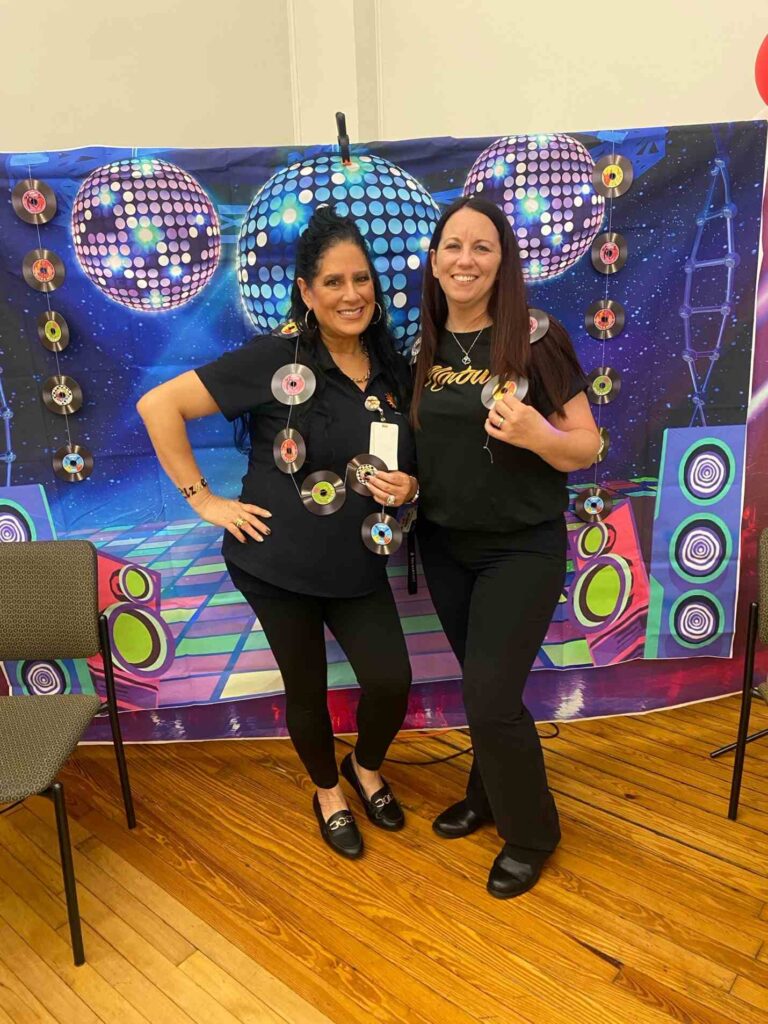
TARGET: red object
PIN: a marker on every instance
(761, 70)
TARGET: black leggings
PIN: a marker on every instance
(369, 632)
(495, 595)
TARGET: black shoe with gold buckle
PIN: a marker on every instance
(339, 831)
(382, 808)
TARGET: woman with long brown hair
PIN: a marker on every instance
(493, 457)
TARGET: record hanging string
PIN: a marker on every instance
(34, 202)
(605, 320)
(323, 492)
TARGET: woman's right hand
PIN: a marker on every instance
(237, 517)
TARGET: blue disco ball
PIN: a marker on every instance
(543, 183)
(145, 233)
(395, 214)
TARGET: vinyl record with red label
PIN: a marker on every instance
(604, 319)
(33, 201)
(43, 270)
(609, 252)
(289, 450)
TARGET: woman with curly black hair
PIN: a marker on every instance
(303, 572)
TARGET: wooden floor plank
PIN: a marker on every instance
(223, 906)
(17, 1001)
(245, 971)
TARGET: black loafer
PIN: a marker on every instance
(382, 808)
(339, 831)
(457, 821)
(509, 877)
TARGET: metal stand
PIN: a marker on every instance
(742, 738)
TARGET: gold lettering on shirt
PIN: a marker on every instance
(439, 376)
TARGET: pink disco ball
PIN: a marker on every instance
(145, 233)
(543, 183)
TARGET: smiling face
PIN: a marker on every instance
(341, 295)
(467, 259)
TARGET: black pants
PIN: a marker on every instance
(495, 595)
(369, 632)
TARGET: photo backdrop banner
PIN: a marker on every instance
(644, 243)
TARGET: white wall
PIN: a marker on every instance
(264, 72)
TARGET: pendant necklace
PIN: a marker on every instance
(465, 358)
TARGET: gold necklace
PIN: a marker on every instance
(367, 377)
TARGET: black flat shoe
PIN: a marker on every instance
(457, 821)
(382, 808)
(509, 877)
(339, 831)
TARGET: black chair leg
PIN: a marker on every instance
(114, 721)
(746, 701)
(56, 793)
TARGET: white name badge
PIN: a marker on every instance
(383, 443)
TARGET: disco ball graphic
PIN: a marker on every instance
(145, 233)
(543, 183)
(395, 214)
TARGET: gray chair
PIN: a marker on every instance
(757, 628)
(49, 610)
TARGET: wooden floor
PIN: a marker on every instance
(224, 905)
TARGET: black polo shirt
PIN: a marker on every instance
(305, 553)
(461, 487)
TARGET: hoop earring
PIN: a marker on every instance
(381, 314)
(307, 325)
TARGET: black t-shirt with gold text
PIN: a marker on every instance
(461, 487)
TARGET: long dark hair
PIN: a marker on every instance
(551, 362)
(325, 229)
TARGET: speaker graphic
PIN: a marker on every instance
(143, 646)
(696, 541)
(608, 596)
(601, 618)
(24, 514)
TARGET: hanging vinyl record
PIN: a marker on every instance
(53, 331)
(612, 176)
(381, 533)
(604, 319)
(494, 392)
(62, 395)
(538, 323)
(609, 252)
(289, 450)
(73, 463)
(293, 384)
(361, 469)
(43, 270)
(604, 385)
(323, 493)
(593, 504)
(605, 444)
(34, 201)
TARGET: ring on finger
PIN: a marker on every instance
(239, 521)
(500, 424)
(391, 499)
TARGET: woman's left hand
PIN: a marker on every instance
(513, 422)
(391, 489)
